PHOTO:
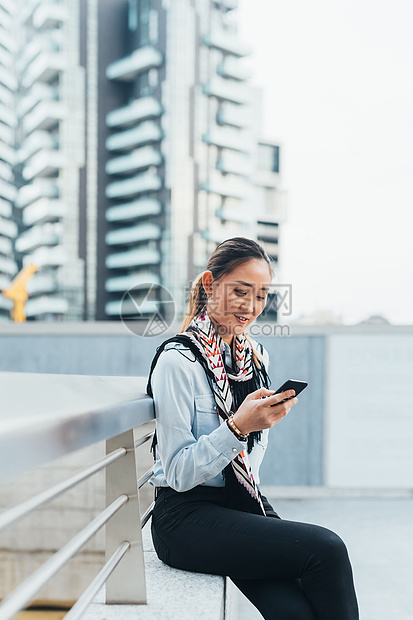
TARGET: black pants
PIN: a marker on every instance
(288, 570)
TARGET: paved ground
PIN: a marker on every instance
(379, 538)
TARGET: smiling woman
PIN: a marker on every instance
(208, 384)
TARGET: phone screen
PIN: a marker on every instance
(291, 384)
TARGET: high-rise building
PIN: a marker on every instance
(8, 227)
(139, 149)
(186, 167)
(50, 155)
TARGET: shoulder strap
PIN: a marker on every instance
(187, 341)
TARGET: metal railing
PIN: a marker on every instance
(35, 431)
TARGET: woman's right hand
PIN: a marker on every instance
(255, 413)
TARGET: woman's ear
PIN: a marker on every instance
(207, 280)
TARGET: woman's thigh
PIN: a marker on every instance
(205, 537)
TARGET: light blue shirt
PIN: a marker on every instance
(193, 446)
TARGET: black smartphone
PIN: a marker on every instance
(291, 384)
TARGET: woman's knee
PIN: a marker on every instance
(331, 550)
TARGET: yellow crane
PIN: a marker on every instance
(17, 292)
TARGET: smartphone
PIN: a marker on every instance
(291, 384)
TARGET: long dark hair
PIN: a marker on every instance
(227, 256)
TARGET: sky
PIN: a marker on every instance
(337, 80)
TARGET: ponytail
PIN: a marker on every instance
(197, 301)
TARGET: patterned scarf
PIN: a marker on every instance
(229, 389)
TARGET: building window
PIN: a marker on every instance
(144, 22)
(269, 157)
(144, 86)
(133, 15)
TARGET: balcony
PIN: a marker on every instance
(8, 228)
(6, 20)
(8, 266)
(7, 191)
(39, 92)
(134, 161)
(44, 68)
(6, 246)
(267, 231)
(147, 182)
(44, 210)
(6, 97)
(133, 234)
(115, 308)
(5, 209)
(227, 42)
(42, 283)
(233, 163)
(234, 115)
(234, 68)
(44, 164)
(7, 116)
(6, 172)
(39, 236)
(7, 154)
(49, 15)
(6, 135)
(6, 59)
(225, 188)
(45, 115)
(133, 210)
(40, 188)
(140, 60)
(35, 142)
(133, 258)
(4, 283)
(240, 215)
(138, 110)
(49, 43)
(214, 235)
(229, 91)
(7, 41)
(27, 11)
(46, 257)
(228, 139)
(125, 283)
(46, 305)
(8, 79)
(144, 133)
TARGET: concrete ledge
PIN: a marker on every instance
(324, 492)
(173, 594)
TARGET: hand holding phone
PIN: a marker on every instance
(290, 384)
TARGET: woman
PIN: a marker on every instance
(213, 409)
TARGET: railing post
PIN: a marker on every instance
(127, 583)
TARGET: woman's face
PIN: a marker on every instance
(240, 294)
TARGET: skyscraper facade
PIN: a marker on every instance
(8, 227)
(138, 149)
